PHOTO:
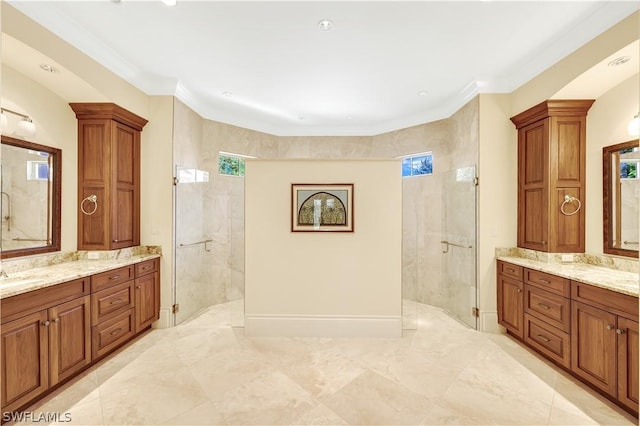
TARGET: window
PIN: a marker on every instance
(37, 170)
(231, 164)
(417, 164)
(628, 169)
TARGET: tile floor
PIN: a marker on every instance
(205, 372)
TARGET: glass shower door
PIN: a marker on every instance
(191, 280)
(459, 244)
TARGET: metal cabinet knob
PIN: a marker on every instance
(46, 323)
(610, 327)
(620, 331)
(56, 319)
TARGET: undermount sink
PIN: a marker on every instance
(12, 282)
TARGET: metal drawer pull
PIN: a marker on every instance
(144, 268)
(116, 331)
(542, 305)
(544, 281)
(113, 302)
(546, 339)
(620, 331)
(115, 277)
(511, 270)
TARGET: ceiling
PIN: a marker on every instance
(268, 66)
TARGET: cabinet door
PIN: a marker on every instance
(147, 300)
(94, 178)
(126, 177)
(70, 338)
(533, 185)
(593, 346)
(628, 362)
(511, 305)
(25, 360)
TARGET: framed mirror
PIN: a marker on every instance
(31, 191)
(621, 192)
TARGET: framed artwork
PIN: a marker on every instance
(324, 207)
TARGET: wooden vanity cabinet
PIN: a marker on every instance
(45, 339)
(109, 168)
(511, 298)
(147, 294)
(590, 331)
(605, 341)
(551, 164)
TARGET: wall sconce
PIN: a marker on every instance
(25, 126)
(634, 126)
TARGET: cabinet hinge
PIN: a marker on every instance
(476, 181)
(175, 181)
(475, 312)
(176, 308)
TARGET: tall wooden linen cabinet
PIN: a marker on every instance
(108, 176)
(551, 166)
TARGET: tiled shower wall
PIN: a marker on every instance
(453, 142)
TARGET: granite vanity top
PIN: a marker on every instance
(612, 279)
(46, 276)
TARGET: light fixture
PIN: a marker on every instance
(227, 94)
(422, 93)
(325, 25)
(49, 68)
(619, 61)
(634, 126)
(25, 125)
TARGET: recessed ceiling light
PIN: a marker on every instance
(422, 93)
(325, 25)
(300, 118)
(619, 61)
(227, 94)
(49, 68)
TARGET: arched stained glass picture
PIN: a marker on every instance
(322, 207)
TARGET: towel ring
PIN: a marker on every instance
(569, 199)
(94, 200)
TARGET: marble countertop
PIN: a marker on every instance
(46, 276)
(611, 279)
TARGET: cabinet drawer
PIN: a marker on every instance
(146, 267)
(510, 270)
(612, 301)
(548, 282)
(548, 340)
(14, 307)
(106, 303)
(549, 307)
(110, 278)
(112, 333)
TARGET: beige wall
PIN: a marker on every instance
(498, 192)
(606, 125)
(335, 284)
(55, 126)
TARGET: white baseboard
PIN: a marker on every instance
(322, 326)
(489, 322)
(166, 319)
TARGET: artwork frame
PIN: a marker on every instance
(322, 207)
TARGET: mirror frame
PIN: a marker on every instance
(607, 199)
(56, 199)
